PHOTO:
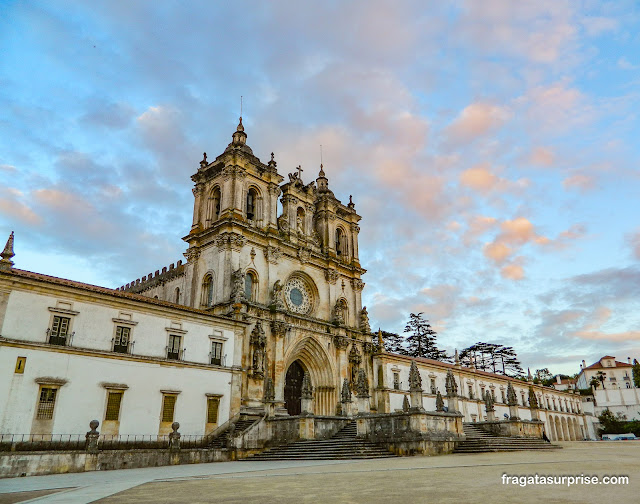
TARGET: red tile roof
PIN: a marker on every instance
(598, 365)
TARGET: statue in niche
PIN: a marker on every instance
(300, 225)
(276, 295)
(364, 320)
(258, 362)
(338, 313)
(237, 286)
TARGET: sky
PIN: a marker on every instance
(491, 148)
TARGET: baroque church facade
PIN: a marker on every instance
(296, 276)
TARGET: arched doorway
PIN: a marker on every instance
(293, 388)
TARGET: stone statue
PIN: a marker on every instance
(364, 320)
(237, 286)
(174, 437)
(488, 402)
(345, 395)
(92, 437)
(338, 313)
(405, 403)
(258, 362)
(300, 225)
(258, 341)
(439, 402)
(450, 385)
(276, 295)
(415, 380)
(362, 385)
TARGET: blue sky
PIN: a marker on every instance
(491, 148)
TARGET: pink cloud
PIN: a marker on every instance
(542, 156)
(497, 252)
(611, 337)
(476, 120)
(580, 182)
(512, 272)
(12, 206)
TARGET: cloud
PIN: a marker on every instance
(608, 337)
(633, 241)
(7, 168)
(497, 252)
(476, 120)
(512, 272)
(625, 64)
(12, 205)
(542, 156)
(580, 182)
(596, 25)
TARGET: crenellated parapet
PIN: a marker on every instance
(154, 279)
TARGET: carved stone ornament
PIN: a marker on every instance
(272, 254)
(368, 347)
(439, 402)
(269, 390)
(283, 223)
(488, 402)
(512, 399)
(533, 399)
(345, 395)
(415, 380)
(192, 254)
(338, 313)
(276, 296)
(341, 342)
(258, 342)
(91, 437)
(406, 406)
(354, 355)
(174, 436)
(279, 328)
(362, 385)
(233, 240)
(237, 286)
(450, 385)
(303, 255)
(364, 320)
(307, 389)
(331, 275)
(357, 284)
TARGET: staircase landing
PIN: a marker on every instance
(480, 441)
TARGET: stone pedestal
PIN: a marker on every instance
(452, 404)
(535, 414)
(416, 400)
(307, 405)
(491, 416)
(513, 412)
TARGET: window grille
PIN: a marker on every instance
(212, 409)
(168, 406)
(59, 330)
(46, 403)
(113, 406)
(216, 353)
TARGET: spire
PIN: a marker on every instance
(457, 358)
(322, 181)
(6, 263)
(380, 340)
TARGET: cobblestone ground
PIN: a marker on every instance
(444, 479)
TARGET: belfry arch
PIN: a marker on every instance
(314, 359)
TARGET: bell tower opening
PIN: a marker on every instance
(293, 388)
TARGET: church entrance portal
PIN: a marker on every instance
(293, 388)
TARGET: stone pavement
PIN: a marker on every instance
(443, 479)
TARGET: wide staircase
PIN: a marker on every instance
(221, 440)
(480, 441)
(343, 445)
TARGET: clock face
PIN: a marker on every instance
(297, 296)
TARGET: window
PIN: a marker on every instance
(251, 286)
(493, 395)
(168, 407)
(59, 330)
(121, 339)
(173, 350)
(433, 386)
(213, 403)
(216, 353)
(177, 295)
(252, 197)
(113, 406)
(21, 362)
(396, 381)
(470, 391)
(504, 399)
(46, 403)
(215, 204)
(207, 290)
(339, 242)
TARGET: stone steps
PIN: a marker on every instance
(343, 445)
(240, 426)
(480, 441)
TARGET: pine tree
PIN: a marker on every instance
(421, 341)
(394, 343)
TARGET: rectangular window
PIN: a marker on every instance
(113, 406)
(46, 403)
(59, 330)
(216, 353)
(168, 406)
(121, 339)
(470, 392)
(396, 381)
(173, 350)
(212, 409)
(504, 400)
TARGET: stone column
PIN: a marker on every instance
(452, 392)
(279, 329)
(307, 396)
(415, 388)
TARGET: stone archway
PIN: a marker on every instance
(552, 430)
(314, 359)
(559, 429)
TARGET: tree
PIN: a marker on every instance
(421, 341)
(542, 376)
(394, 343)
(493, 358)
(601, 377)
(636, 373)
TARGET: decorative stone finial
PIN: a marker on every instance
(512, 399)
(439, 402)
(345, 396)
(307, 389)
(529, 377)
(457, 358)
(450, 385)
(362, 386)
(174, 436)
(415, 380)
(92, 437)
(240, 126)
(321, 174)
(6, 263)
(380, 341)
(533, 399)
(351, 204)
(405, 403)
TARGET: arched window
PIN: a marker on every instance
(207, 290)
(252, 201)
(177, 295)
(251, 286)
(216, 198)
(341, 243)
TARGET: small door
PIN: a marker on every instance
(293, 388)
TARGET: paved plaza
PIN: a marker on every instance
(444, 479)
